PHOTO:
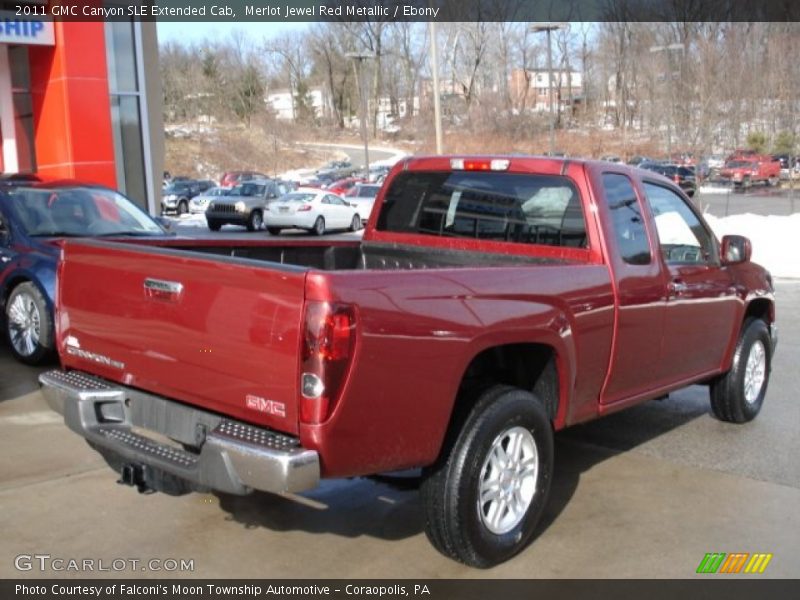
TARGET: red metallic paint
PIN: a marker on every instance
(611, 326)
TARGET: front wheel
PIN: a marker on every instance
(29, 326)
(274, 230)
(183, 207)
(255, 222)
(214, 225)
(319, 226)
(738, 395)
(355, 224)
(486, 493)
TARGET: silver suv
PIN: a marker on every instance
(244, 204)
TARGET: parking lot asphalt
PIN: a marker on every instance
(758, 200)
(643, 493)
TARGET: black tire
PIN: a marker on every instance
(355, 224)
(450, 489)
(274, 230)
(213, 225)
(731, 399)
(30, 341)
(183, 207)
(319, 226)
(255, 221)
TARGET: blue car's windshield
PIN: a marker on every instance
(79, 211)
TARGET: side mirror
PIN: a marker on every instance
(735, 249)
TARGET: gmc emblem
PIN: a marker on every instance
(271, 407)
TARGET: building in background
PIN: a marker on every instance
(529, 89)
(82, 100)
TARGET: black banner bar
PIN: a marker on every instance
(232, 11)
(709, 588)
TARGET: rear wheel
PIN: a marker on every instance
(738, 395)
(319, 226)
(183, 207)
(214, 225)
(255, 222)
(486, 493)
(274, 230)
(355, 224)
(29, 326)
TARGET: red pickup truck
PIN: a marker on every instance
(744, 171)
(491, 302)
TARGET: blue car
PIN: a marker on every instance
(34, 217)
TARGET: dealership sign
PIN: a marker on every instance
(25, 30)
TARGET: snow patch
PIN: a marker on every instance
(772, 238)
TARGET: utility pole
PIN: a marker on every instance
(358, 59)
(668, 82)
(549, 28)
(437, 104)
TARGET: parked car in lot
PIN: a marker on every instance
(752, 169)
(244, 205)
(787, 164)
(491, 302)
(230, 179)
(199, 204)
(341, 186)
(682, 175)
(317, 211)
(362, 197)
(176, 195)
(34, 218)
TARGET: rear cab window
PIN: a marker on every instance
(522, 208)
(626, 219)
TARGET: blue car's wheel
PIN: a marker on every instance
(29, 325)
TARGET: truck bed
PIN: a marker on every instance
(361, 255)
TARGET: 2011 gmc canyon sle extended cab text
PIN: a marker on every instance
(491, 302)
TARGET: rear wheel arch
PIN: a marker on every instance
(529, 366)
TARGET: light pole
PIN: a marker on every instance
(548, 28)
(360, 57)
(668, 82)
(437, 104)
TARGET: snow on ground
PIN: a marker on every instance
(772, 238)
(710, 188)
(198, 220)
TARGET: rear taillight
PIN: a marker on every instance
(327, 348)
(304, 208)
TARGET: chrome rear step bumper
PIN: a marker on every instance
(233, 457)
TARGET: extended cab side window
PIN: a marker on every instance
(682, 237)
(626, 219)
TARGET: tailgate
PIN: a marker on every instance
(217, 332)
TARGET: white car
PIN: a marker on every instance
(362, 196)
(199, 204)
(315, 210)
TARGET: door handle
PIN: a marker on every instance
(677, 287)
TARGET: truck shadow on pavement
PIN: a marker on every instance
(16, 379)
(389, 507)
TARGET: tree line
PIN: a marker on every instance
(693, 86)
